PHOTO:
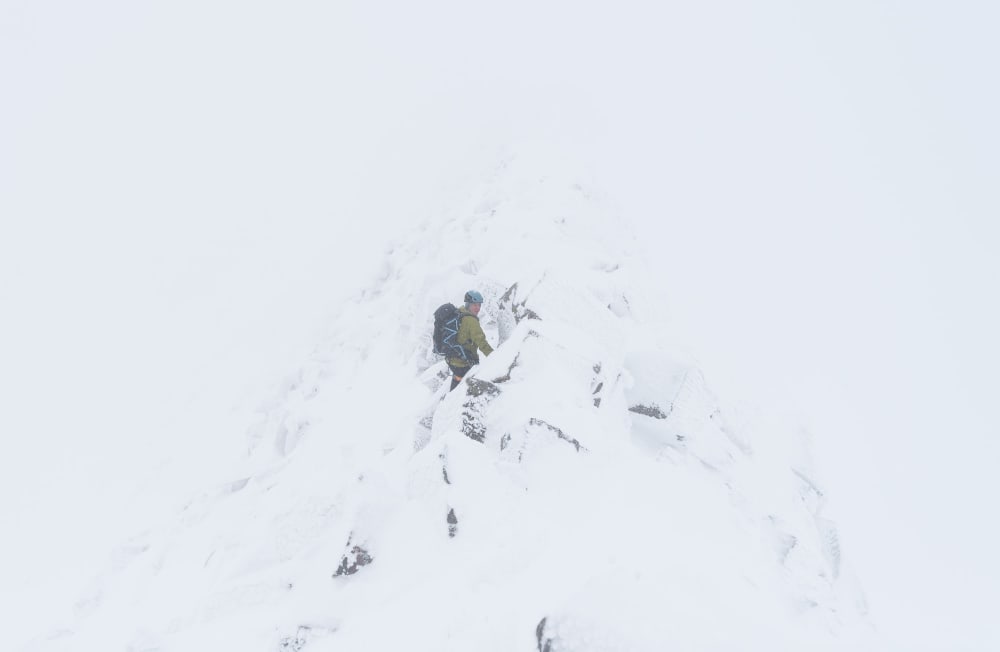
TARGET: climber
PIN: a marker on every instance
(470, 337)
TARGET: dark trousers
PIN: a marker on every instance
(458, 373)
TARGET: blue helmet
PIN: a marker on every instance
(473, 297)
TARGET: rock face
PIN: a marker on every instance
(354, 560)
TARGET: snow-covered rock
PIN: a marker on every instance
(582, 490)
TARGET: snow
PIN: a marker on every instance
(215, 378)
(515, 511)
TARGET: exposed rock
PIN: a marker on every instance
(303, 635)
(295, 643)
(480, 392)
(559, 433)
(444, 468)
(597, 385)
(504, 378)
(520, 311)
(478, 387)
(597, 399)
(472, 427)
(356, 558)
(651, 410)
(545, 643)
(452, 523)
(508, 296)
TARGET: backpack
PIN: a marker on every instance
(446, 322)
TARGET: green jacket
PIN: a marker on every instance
(470, 337)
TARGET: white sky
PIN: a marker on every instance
(816, 185)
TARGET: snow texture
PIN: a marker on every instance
(582, 490)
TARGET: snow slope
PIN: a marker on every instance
(582, 490)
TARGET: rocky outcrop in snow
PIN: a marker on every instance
(595, 494)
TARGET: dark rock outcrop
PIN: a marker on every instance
(444, 468)
(545, 642)
(504, 378)
(354, 560)
(478, 387)
(520, 311)
(651, 410)
(480, 392)
(559, 433)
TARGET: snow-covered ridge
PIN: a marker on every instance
(582, 490)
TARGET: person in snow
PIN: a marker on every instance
(470, 337)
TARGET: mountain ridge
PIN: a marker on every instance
(583, 489)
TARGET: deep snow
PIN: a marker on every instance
(583, 489)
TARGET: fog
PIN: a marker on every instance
(814, 186)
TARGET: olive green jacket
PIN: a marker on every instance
(470, 337)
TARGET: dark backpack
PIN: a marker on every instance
(446, 322)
